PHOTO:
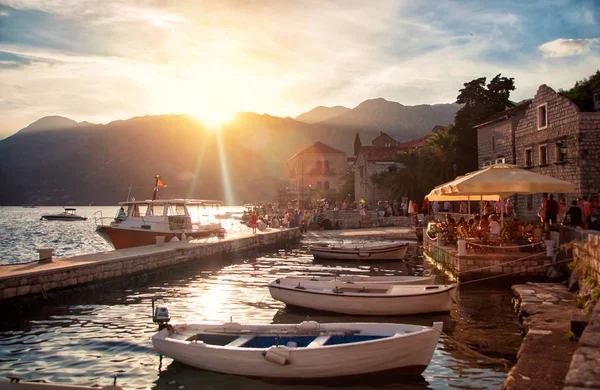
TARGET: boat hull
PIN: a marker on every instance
(63, 218)
(440, 300)
(121, 238)
(401, 353)
(388, 252)
(350, 280)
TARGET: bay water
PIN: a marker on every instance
(88, 337)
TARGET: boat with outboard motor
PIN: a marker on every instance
(140, 222)
(67, 215)
(307, 350)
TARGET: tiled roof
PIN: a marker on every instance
(522, 106)
(319, 148)
(378, 153)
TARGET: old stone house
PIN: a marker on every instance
(551, 136)
(317, 169)
(496, 136)
(377, 158)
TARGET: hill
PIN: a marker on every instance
(58, 161)
(321, 113)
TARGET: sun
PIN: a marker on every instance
(214, 118)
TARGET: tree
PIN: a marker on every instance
(480, 101)
(582, 93)
(357, 145)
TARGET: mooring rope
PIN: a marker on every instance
(516, 272)
(504, 263)
(505, 247)
(478, 354)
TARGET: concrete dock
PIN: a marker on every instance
(39, 278)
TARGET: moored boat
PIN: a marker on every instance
(139, 223)
(305, 351)
(360, 252)
(364, 299)
(67, 215)
(350, 280)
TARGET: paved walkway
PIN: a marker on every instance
(545, 354)
(12, 270)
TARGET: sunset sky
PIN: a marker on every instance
(101, 60)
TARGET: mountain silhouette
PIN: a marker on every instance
(321, 113)
(58, 161)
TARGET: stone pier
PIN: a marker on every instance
(545, 310)
(39, 278)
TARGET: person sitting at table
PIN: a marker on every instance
(495, 227)
(483, 228)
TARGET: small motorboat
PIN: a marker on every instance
(350, 280)
(67, 215)
(306, 350)
(367, 299)
(360, 252)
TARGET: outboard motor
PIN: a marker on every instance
(160, 316)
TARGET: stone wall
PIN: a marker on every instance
(495, 141)
(363, 186)
(479, 266)
(96, 267)
(589, 152)
(350, 219)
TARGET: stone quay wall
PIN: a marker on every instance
(351, 219)
(584, 371)
(99, 267)
(584, 247)
(484, 265)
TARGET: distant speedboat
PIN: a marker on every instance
(67, 215)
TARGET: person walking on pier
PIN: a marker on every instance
(253, 222)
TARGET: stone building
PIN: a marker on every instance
(316, 169)
(496, 137)
(377, 158)
(384, 141)
(552, 137)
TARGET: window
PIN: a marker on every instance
(542, 116)
(528, 161)
(326, 185)
(326, 165)
(500, 161)
(158, 209)
(319, 166)
(319, 185)
(493, 142)
(529, 202)
(543, 155)
(561, 152)
(388, 144)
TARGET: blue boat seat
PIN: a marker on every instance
(240, 341)
(319, 341)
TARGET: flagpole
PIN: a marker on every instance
(155, 187)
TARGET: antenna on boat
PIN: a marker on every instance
(129, 192)
(157, 177)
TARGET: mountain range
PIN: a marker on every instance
(58, 161)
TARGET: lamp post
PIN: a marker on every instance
(300, 188)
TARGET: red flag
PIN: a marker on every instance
(160, 183)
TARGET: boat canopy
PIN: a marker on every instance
(191, 202)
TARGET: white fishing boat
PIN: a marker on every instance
(139, 223)
(352, 280)
(382, 299)
(360, 251)
(307, 350)
(67, 215)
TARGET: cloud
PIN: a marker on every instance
(567, 47)
(10, 60)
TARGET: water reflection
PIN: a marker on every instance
(88, 338)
